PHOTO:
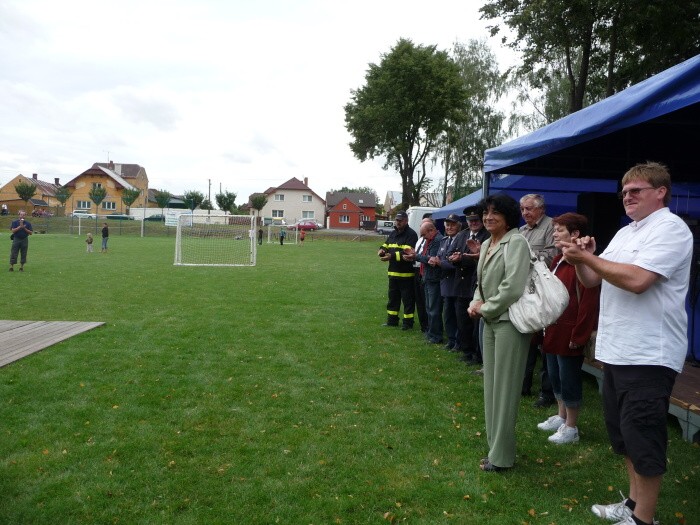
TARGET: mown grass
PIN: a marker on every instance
(268, 394)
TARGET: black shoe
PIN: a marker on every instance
(449, 346)
(391, 324)
(407, 327)
(526, 393)
(543, 402)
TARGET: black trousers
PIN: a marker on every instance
(545, 385)
(420, 302)
(401, 290)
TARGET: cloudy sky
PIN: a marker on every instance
(243, 93)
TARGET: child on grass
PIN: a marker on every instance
(88, 241)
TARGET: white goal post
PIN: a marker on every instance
(215, 240)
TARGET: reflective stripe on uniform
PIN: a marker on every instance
(397, 274)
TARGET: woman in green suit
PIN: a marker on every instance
(502, 272)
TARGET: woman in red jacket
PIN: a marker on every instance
(564, 340)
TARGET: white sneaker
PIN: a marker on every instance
(614, 511)
(553, 423)
(564, 435)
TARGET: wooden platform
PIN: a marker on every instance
(21, 338)
(685, 398)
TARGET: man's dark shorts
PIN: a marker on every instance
(635, 402)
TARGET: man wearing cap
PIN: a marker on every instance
(465, 255)
(397, 251)
(539, 232)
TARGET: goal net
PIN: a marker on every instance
(273, 234)
(215, 240)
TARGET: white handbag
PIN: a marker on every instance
(544, 300)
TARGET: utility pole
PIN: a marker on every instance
(209, 210)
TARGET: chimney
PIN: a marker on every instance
(111, 165)
(306, 181)
(55, 181)
(35, 176)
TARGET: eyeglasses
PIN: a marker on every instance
(633, 192)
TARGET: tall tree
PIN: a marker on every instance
(129, 196)
(406, 104)
(226, 201)
(62, 195)
(462, 145)
(206, 205)
(162, 198)
(193, 199)
(25, 191)
(598, 46)
(258, 202)
(97, 194)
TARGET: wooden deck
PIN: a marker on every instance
(685, 398)
(22, 338)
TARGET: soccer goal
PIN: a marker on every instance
(215, 240)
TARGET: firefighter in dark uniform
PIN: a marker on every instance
(400, 242)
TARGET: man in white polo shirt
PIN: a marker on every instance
(642, 331)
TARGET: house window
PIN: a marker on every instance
(96, 185)
(279, 197)
(345, 206)
(345, 219)
(84, 205)
(307, 215)
(109, 205)
(306, 198)
(277, 214)
(365, 217)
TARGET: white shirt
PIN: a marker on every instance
(648, 328)
(419, 249)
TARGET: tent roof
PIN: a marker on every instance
(458, 205)
(657, 119)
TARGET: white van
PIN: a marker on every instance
(416, 214)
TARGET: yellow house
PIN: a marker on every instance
(44, 199)
(115, 178)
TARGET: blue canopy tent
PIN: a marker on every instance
(458, 205)
(658, 120)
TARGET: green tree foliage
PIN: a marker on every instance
(462, 145)
(25, 190)
(162, 198)
(129, 196)
(407, 102)
(206, 205)
(258, 202)
(193, 199)
(97, 194)
(596, 47)
(62, 195)
(226, 201)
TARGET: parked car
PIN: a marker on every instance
(159, 218)
(120, 217)
(304, 225)
(84, 214)
(384, 227)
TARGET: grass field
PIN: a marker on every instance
(268, 394)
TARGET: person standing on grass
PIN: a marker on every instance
(396, 251)
(260, 236)
(502, 274)
(283, 234)
(88, 241)
(302, 236)
(21, 230)
(539, 232)
(105, 236)
(565, 340)
(430, 276)
(642, 336)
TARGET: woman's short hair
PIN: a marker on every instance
(503, 204)
(572, 222)
(654, 173)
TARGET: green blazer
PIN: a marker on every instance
(502, 282)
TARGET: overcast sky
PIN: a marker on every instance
(245, 93)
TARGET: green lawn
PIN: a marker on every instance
(268, 394)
